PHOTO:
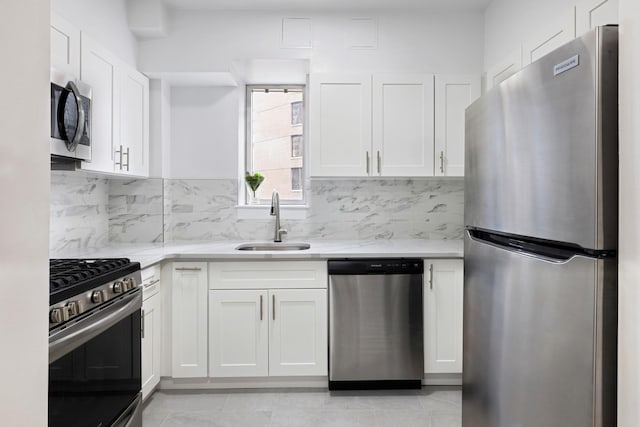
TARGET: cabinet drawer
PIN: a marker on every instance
(150, 281)
(268, 275)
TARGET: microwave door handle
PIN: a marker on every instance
(71, 145)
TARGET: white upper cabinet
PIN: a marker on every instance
(120, 112)
(134, 123)
(591, 13)
(550, 38)
(99, 70)
(453, 94)
(65, 46)
(504, 69)
(363, 125)
(403, 125)
(340, 124)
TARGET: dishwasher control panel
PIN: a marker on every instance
(376, 266)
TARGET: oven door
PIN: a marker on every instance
(94, 367)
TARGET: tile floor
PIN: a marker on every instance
(428, 407)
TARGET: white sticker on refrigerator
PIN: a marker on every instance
(566, 65)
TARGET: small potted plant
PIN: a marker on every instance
(253, 181)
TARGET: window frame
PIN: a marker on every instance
(243, 199)
(301, 178)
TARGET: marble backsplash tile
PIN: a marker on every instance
(78, 213)
(135, 210)
(89, 211)
(339, 209)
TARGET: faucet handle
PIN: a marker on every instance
(283, 231)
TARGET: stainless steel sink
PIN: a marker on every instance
(272, 246)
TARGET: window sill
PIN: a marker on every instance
(262, 211)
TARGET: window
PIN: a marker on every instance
(296, 145)
(296, 113)
(275, 138)
(296, 179)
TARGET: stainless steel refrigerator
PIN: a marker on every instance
(541, 209)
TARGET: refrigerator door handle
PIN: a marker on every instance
(545, 250)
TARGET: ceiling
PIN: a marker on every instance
(329, 5)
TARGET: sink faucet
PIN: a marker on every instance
(275, 211)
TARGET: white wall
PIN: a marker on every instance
(629, 245)
(104, 20)
(204, 133)
(509, 23)
(24, 224)
(205, 122)
(422, 41)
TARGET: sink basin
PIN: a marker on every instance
(272, 246)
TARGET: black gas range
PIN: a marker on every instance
(94, 342)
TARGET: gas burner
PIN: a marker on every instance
(70, 277)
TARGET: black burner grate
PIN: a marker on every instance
(71, 277)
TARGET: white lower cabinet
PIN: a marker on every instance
(151, 321)
(269, 331)
(238, 333)
(298, 332)
(151, 345)
(443, 293)
(189, 319)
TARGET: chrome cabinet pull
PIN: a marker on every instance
(119, 162)
(367, 159)
(274, 306)
(142, 323)
(260, 307)
(147, 285)
(188, 269)
(379, 164)
(125, 154)
(442, 161)
(431, 276)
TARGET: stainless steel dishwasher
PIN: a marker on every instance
(375, 323)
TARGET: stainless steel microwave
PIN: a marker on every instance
(70, 117)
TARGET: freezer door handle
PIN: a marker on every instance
(545, 250)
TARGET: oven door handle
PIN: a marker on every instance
(73, 336)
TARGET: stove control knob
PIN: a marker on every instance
(132, 282)
(58, 315)
(97, 297)
(119, 287)
(73, 308)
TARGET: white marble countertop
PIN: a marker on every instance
(149, 254)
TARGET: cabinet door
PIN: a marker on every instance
(591, 13)
(98, 68)
(550, 38)
(189, 319)
(134, 121)
(151, 348)
(65, 46)
(340, 125)
(443, 317)
(403, 125)
(453, 95)
(238, 333)
(504, 69)
(298, 332)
